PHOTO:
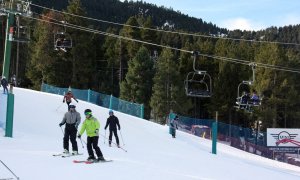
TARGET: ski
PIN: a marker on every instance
(69, 155)
(60, 154)
(91, 162)
(66, 155)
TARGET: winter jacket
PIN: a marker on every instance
(68, 97)
(112, 122)
(91, 126)
(71, 118)
(4, 82)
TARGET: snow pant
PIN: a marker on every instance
(5, 89)
(70, 134)
(172, 131)
(92, 142)
(111, 131)
(68, 104)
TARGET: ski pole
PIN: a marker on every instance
(59, 107)
(10, 170)
(81, 143)
(114, 143)
(104, 136)
(122, 138)
(62, 130)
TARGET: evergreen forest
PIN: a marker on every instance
(105, 58)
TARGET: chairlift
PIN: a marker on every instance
(22, 36)
(198, 83)
(244, 100)
(62, 41)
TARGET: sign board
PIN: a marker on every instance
(287, 138)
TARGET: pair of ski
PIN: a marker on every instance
(91, 162)
(67, 155)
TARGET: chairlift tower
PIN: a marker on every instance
(10, 9)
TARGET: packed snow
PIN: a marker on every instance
(151, 152)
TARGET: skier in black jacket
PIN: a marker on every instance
(4, 83)
(113, 122)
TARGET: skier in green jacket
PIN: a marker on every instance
(91, 125)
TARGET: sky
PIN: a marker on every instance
(151, 152)
(238, 14)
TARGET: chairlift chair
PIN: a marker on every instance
(62, 41)
(198, 84)
(23, 36)
(245, 101)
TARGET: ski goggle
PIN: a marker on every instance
(88, 113)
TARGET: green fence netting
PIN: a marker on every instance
(107, 101)
(246, 139)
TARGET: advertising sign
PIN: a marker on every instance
(278, 137)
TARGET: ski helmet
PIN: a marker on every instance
(72, 106)
(110, 111)
(88, 112)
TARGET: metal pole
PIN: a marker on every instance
(9, 115)
(215, 135)
(7, 50)
(10, 170)
(18, 49)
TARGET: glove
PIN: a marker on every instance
(79, 136)
(60, 124)
(105, 129)
(63, 101)
(97, 131)
(77, 101)
(119, 128)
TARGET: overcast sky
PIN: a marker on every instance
(238, 14)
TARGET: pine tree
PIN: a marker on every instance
(165, 86)
(108, 74)
(83, 53)
(42, 65)
(138, 82)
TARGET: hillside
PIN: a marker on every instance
(116, 11)
(152, 153)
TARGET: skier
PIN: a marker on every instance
(4, 83)
(173, 126)
(72, 120)
(91, 125)
(68, 98)
(255, 98)
(113, 122)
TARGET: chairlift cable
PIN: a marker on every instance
(165, 31)
(108, 34)
(237, 61)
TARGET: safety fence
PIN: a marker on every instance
(107, 101)
(3, 109)
(245, 139)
